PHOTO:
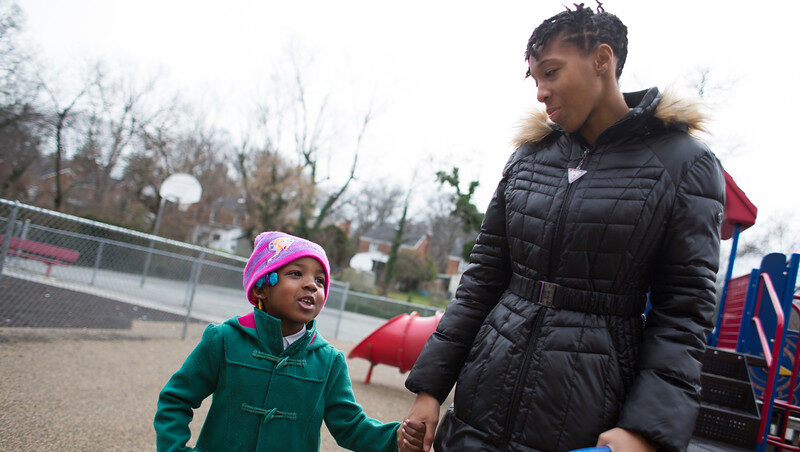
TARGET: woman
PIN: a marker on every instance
(606, 198)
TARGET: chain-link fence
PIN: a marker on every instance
(62, 271)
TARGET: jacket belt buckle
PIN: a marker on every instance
(547, 293)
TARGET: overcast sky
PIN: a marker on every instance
(446, 78)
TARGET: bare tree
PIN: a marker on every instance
(302, 123)
(278, 190)
(372, 204)
(19, 86)
(115, 114)
(336, 194)
(706, 84)
(61, 113)
(21, 133)
(270, 188)
(777, 234)
(177, 140)
(447, 231)
(714, 90)
(20, 156)
(388, 275)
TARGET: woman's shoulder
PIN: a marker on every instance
(676, 133)
(678, 126)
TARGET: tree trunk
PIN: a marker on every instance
(59, 126)
(398, 240)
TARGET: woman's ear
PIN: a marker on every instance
(604, 59)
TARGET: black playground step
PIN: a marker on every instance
(729, 393)
(729, 426)
(728, 418)
(707, 445)
(725, 364)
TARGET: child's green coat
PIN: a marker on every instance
(265, 397)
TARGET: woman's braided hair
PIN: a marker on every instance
(584, 28)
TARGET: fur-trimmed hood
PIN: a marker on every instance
(671, 110)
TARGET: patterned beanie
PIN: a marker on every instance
(275, 249)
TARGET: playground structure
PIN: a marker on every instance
(750, 367)
(397, 342)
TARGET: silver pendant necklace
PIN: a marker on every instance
(576, 173)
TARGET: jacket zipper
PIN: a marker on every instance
(555, 250)
(515, 396)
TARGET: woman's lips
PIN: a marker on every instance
(552, 112)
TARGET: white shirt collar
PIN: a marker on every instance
(287, 340)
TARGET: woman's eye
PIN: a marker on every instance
(550, 72)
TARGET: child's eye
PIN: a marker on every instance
(321, 281)
(295, 273)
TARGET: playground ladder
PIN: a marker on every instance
(728, 418)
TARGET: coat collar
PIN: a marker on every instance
(266, 329)
(668, 111)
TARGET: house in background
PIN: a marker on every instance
(376, 244)
(223, 230)
(222, 238)
(452, 275)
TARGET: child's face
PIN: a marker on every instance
(298, 296)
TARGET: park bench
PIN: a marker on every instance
(42, 252)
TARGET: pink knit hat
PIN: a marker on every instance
(275, 249)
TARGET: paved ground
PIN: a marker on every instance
(211, 303)
(30, 304)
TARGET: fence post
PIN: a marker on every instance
(97, 261)
(12, 219)
(150, 249)
(190, 291)
(26, 225)
(341, 309)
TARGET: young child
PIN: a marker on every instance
(274, 379)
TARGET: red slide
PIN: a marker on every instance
(397, 342)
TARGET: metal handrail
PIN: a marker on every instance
(788, 405)
(770, 357)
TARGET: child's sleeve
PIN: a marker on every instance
(185, 390)
(346, 420)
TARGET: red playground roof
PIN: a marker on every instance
(738, 209)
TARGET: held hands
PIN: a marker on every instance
(420, 424)
(621, 440)
(410, 436)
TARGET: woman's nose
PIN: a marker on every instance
(542, 94)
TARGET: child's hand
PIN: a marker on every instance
(410, 435)
(622, 440)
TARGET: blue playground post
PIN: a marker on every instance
(712, 337)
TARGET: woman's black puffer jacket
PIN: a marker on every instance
(550, 366)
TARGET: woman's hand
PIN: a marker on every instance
(621, 440)
(410, 436)
(425, 411)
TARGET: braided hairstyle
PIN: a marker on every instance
(584, 28)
